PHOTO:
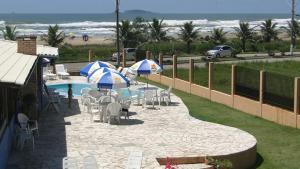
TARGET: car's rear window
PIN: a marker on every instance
(131, 50)
(217, 48)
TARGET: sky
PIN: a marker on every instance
(161, 6)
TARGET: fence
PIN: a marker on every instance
(247, 82)
(252, 91)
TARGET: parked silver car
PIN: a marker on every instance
(130, 54)
(219, 51)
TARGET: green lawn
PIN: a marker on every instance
(278, 146)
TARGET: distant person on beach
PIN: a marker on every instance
(85, 37)
(70, 95)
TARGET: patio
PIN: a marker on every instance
(167, 131)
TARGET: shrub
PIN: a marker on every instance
(203, 47)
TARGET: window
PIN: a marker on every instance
(226, 48)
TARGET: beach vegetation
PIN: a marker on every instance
(157, 31)
(218, 36)
(127, 35)
(293, 26)
(9, 32)
(55, 37)
(269, 30)
(244, 33)
(188, 33)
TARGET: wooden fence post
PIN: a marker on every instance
(210, 77)
(261, 89)
(90, 55)
(296, 95)
(233, 82)
(124, 58)
(174, 66)
(160, 60)
(191, 71)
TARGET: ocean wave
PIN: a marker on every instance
(105, 28)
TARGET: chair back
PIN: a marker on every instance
(170, 89)
(85, 90)
(148, 95)
(114, 109)
(23, 120)
(60, 68)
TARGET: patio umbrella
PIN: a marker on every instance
(91, 67)
(98, 72)
(146, 67)
(110, 80)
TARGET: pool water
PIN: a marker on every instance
(62, 89)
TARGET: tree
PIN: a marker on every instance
(268, 31)
(188, 33)
(126, 33)
(140, 29)
(244, 33)
(157, 31)
(54, 38)
(9, 32)
(218, 36)
(293, 26)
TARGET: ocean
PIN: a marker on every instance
(103, 24)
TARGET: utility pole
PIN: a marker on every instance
(118, 31)
(293, 35)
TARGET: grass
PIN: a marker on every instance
(278, 146)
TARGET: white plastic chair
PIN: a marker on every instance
(61, 71)
(47, 74)
(92, 107)
(125, 103)
(165, 96)
(114, 112)
(148, 97)
(26, 124)
(22, 135)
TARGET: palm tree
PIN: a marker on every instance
(9, 32)
(126, 33)
(54, 38)
(244, 33)
(156, 29)
(218, 36)
(293, 26)
(268, 30)
(188, 33)
(140, 28)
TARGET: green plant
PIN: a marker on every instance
(188, 33)
(219, 163)
(156, 30)
(244, 33)
(218, 36)
(269, 31)
(54, 38)
(9, 32)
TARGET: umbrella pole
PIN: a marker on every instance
(147, 80)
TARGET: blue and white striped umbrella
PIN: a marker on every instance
(98, 72)
(110, 80)
(146, 67)
(91, 67)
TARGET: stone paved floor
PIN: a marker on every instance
(167, 131)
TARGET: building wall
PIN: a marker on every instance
(6, 143)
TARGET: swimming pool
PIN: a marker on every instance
(62, 89)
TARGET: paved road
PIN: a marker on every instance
(75, 67)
